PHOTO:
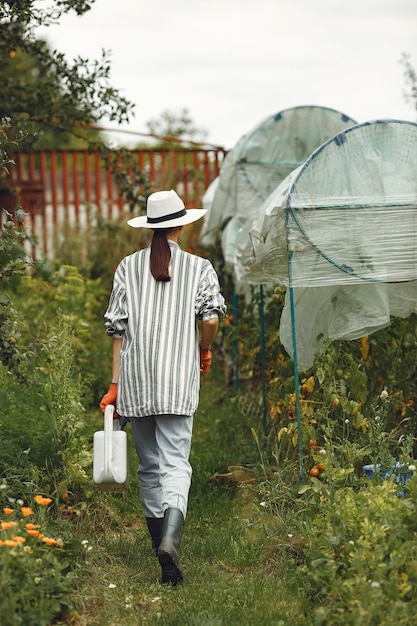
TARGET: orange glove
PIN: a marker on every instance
(205, 361)
(110, 398)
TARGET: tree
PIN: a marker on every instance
(410, 75)
(48, 100)
(24, 78)
(173, 125)
(41, 89)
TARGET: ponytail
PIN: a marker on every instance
(160, 255)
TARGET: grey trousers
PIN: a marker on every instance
(163, 444)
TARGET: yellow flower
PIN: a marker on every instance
(310, 384)
(10, 543)
(7, 510)
(43, 501)
(7, 525)
(26, 510)
(364, 347)
(49, 541)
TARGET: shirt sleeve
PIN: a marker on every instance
(209, 301)
(116, 314)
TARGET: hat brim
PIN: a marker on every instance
(192, 215)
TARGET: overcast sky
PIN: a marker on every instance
(234, 63)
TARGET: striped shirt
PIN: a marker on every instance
(159, 359)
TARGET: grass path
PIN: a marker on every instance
(232, 575)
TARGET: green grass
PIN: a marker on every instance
(232, 574)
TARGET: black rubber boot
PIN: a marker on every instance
(168, 553)
(155, 531)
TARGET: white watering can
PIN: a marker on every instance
(111, 458)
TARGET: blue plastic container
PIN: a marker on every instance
(401, 478)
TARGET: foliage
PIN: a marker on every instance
(51, 451)
(25, 74)
(44, 298)
(62, 95)
(41, 443)
(12, 265)
(361, 552)
(36, 348)
(36, 575)
(257, 355)
(12, 234)
(26, 435)
(73, 452)
(347, 379)
(353, 540)
(338, 394)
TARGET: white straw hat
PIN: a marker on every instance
(165, 209)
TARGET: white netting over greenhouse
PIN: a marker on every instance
(344, 223)
(210, 193)
(258, 163)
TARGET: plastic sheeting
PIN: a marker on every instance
(345, 223)
(341, 312)
(260, 160)
(210, 193)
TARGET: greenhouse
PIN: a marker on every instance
(258, 163)
(345, 223)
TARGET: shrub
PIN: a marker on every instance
(66, 296)
(362, 553)
(36, 577)
(42, 443)
(337, 394)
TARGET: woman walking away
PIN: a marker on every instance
(159, 353)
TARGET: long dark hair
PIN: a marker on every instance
(160, 255)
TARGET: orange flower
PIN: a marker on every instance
(19, 539)
(49, 541)
(7, 510)
(26, 510)
(34, 533)
(31, 526)
(1, 543)
(7, 525)
(10, 544)
(43, 501)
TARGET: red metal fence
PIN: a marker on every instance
(66, 190)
